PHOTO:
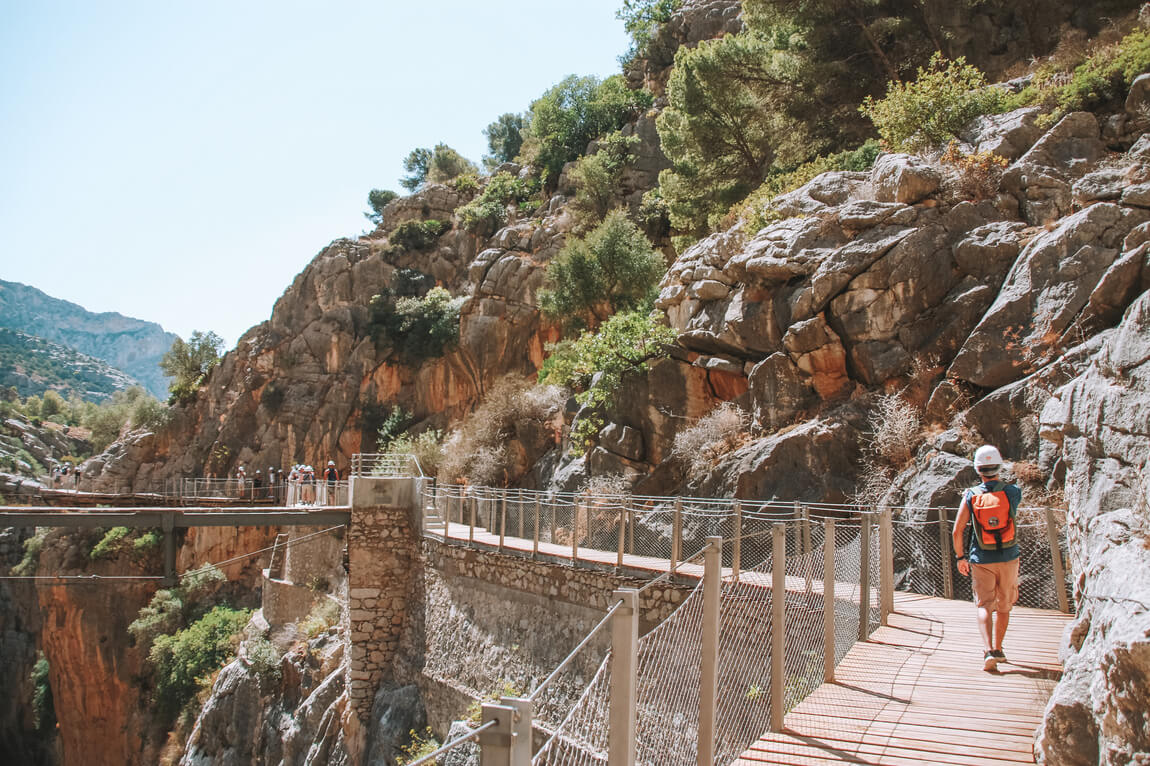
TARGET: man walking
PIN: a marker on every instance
(991, 558)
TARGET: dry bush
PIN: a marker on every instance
(1027, 472)
(896, 431)
(712, 436)
(477, 451)
(975, 176)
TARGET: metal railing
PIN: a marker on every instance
(392, 465)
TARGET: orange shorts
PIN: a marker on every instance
(995, 585)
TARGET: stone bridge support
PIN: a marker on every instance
(383, 567)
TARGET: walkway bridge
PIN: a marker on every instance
(866, 658)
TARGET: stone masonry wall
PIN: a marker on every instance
(556, 582)
(382, 571)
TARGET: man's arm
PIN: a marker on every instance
(960, 523)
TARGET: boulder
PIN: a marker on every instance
(622, 440)
(817, 351)
(779, 392)
(1042, 178)
(903, 178)
(988, 251)
(1050, 283)
(1008, 135)
(1138, 97)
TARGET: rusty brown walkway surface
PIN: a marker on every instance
(915, 693)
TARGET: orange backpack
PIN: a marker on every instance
(993, 521)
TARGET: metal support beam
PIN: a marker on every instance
(709, 654)
(828, 600)
(778, 625)
(864, 576)
(495, 743)
(886, 565)
(168, 527)
(1059, 570)
(624, 678)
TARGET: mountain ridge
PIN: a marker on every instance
(134, 346)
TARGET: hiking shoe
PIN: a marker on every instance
(989, 661)
(999, 655)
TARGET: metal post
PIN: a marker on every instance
(1056, 560)
(829, 600)
(886, 565)
(535, 542)
(495, 744)
(520, 729)
(502, 518)
(864, 576)
(806, 526)
(168, 525)
(554, 504)
(944, 541)
(797, 546)
(471, 527)
(676, 533)
(622, 535)
(519, 502)
(709, 653)
(624, 678)
(574, 533)
(737, 543)
(778, 625)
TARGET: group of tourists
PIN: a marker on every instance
(62, 474)
(297, 486)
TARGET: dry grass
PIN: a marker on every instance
(896, 431)
(715, 434)
(478, 451)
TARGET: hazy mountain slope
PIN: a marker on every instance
(34, 365)
(131, 345)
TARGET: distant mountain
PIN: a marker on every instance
(34, 365)
(131, 345)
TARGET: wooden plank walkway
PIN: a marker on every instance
(915, 693)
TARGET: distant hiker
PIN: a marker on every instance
(307, 484)
(992, 557)
(241, 478)
(257, 483)
(271, 481)
(331, 475)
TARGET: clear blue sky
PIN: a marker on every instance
(182, 161)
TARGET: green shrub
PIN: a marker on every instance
(596, 178)
(419, 328)
(189, 362)
(377, 200)
(465, 184)
(427, 446)
(419, 745)
(488, 211)
(31, 558)
(596, 363)
(417, 235)
(1102, 76)
(613, 268)
(43, 706)
(756, 208)
(148, 541)
(110, 543)
(641, 19)
(933, 108)
(392, 426)
(264, 659)
(571, 114)
(323, 615)
(504, 139)
(184, 661)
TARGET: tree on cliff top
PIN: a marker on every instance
(188, 363)
(572, 114)
(435, 166)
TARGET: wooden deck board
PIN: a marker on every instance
(914, 693)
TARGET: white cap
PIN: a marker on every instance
(331, 462)
(987, 460)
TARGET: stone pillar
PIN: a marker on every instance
(383, 553)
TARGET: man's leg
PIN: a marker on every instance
(986, 627)
(1001, 621)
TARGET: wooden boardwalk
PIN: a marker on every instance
(915, 693)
